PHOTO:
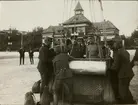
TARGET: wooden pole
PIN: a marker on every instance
(52, 45)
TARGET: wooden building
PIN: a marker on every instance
(78, 25)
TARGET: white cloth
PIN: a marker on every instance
(134, 80)
(94, 67)
(134, 83)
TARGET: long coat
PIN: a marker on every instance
(61, 66)
(76, 51)
(45, 59)
(122, 64)
(22, 52)
(92, 51)
(31, 53)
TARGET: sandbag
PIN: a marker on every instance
(36, 87)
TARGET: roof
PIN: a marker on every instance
(105, 24)
(78, 7)
(55, 29)
(77, 19)
(3, 33)
(117, 38)
(81, 19)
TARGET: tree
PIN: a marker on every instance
(129, 42)
(134, 37)
(38, 30)
(135, 34)
(34, 38)
(14, 32)
(3, 40)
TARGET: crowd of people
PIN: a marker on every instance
(53, 66)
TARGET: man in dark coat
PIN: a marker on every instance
(45, 66)
(31, 55)
(114, 73)
(76, 50)
(22, 55)
(63, 74)
(92, 50)
(124, 71)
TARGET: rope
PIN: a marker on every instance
(69, 14)
(63, 12)
(0, 9)
(93, 11)
(103, 21)
(70, 9)
(75, 2)
(102, 15)
(90, 10)
(67, 9)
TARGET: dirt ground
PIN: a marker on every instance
(16, 80)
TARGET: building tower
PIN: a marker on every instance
(78, 10)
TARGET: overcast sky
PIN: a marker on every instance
(25, 15)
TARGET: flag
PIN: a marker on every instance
(101, 4)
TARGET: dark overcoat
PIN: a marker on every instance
(61, 66)
(122, 64)
(92, 51)
(76, 51)
(43, 59)
(21, 51)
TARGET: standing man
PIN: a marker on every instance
(31, 55)
(106, 51)
(45, 63)
(114, 73)
(22, 55)
(69, 45)
(76, 50)
(124, 71)
(92, 50)
(63, 74)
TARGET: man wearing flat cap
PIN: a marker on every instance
(45, 65)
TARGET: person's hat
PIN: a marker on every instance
(118, 44)
(47, 39)
(60, 49)
(117, 39)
